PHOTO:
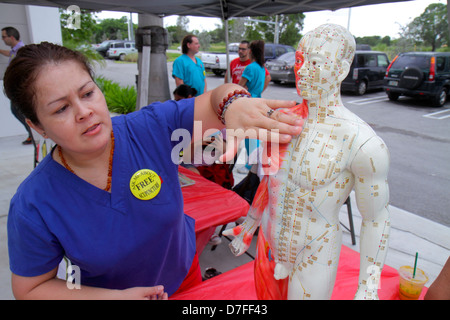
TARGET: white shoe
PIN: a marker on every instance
(243, 169)
(215, 240)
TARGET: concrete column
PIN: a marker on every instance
(151, 42)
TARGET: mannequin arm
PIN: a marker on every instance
(244, 233)
(370, 167)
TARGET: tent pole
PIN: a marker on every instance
(448, 16)
(228, 71)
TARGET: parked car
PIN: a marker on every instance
(274, 50)
(281, 69)
(217, 62)
(366, 72)
(103, 47)
(419, 74)
(119, 50)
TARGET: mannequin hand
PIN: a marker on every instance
(242, 239)
(248, 118)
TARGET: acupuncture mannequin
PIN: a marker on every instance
(297, 204)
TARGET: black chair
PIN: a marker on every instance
(351, 228)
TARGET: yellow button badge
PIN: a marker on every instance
(145, 184)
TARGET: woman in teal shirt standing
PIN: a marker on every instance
(254, 77)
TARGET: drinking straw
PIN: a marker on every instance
(415, 265)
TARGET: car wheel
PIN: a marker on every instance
(393, 96)
(411, 78)
(122, 57)
(362, 88)
(440, 99)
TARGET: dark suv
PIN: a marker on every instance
(366, 72)
(419, 74)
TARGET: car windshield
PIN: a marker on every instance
(407, 61)
(289, 57)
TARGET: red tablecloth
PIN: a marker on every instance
(238, 284)
(210, 205)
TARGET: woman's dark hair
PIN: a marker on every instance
(257, 51)
(22, 72)
(187, 39)
(183, 90)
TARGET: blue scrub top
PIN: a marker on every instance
(117, 240)
(192, 74)
(256, 76)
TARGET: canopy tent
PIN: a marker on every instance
(224, 9)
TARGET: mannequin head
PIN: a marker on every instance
(323, 60)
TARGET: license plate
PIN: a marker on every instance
(275, 68)
(393, 83)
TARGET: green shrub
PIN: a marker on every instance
(171, 56)
(131, 57)
(118, 99)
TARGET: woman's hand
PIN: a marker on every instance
(47, 286)
(145, 293)
(252, 118)
(246, 118)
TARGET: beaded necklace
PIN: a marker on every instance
(108, 181)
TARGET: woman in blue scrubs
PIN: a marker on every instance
(107, 197)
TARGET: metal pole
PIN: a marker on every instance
(144, 74)
(349, 17)
(130, 27)
(228, 75)
(277, 30)
(144, 40)
(448, 17)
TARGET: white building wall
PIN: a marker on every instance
(35, 24)
(44, 24)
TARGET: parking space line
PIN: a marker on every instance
(435, 115)
(368, 100)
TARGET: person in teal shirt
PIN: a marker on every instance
(254, 78)
(187, 68)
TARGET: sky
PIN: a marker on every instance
(374, 20)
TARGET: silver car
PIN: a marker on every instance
(119, 50)
(282, 68)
